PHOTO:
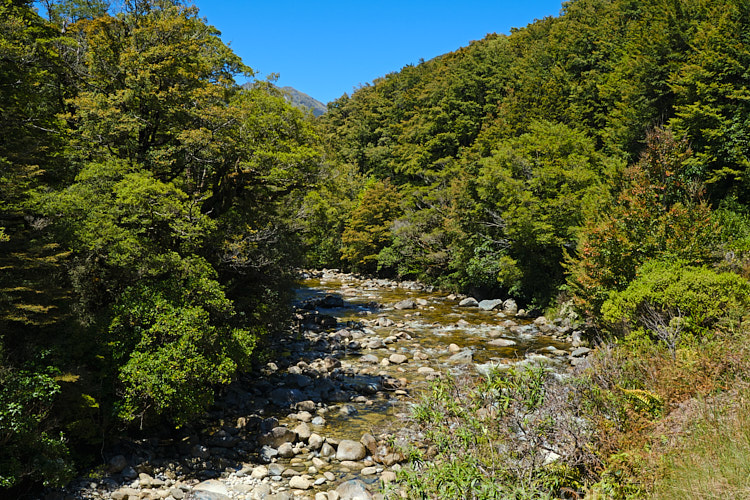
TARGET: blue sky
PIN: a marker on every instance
(328, 48)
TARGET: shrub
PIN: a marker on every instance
(31, 449)
(512, 434)
(685, 297)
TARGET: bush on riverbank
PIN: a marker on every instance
(512, 434)
(630, 425)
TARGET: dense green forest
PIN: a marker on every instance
(513, 155)
(153, 212)
(147, 209)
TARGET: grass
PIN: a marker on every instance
(713, 459)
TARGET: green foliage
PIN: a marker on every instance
(491, 437)
(156, 76)
(658, 215)
(540, 187)
(597, 78)
(32, 451)
(712, 99)
(325, 211)
(152, 212)
(368, 230)
(701, 296)
(31, 83)
(172, 338)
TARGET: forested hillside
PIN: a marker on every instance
(147, 208)
(510, 153)
(153, 214)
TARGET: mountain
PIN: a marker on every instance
(304, 101)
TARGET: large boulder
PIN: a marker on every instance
(468, 302)
(490, 305)
(510, 306)
(405, 304)
(350, 450)
(277, 436)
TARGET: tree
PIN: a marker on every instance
(659, 214)
(537, 190)
(368, 230)
(712, 100)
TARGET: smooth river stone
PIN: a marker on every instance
(350, 450)
(501, 342)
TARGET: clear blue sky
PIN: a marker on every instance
(330, 47)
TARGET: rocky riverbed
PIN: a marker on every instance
(325, 420)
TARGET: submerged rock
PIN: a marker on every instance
(353, 490)
(462, 357)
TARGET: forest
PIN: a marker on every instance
(154, 214)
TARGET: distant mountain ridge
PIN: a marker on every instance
(304, 101)
(299, 99)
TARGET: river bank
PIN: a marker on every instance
(327, 418)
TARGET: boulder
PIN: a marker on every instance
(369, 441)
(405, 304)
(277, 436)
(331, 300)
(260, 472)
(350, 450)
(501, 342)
(384, 322)
(286, 450)
(283, 396)
(541, 320)
(580, 351)
(490, 305)
(397, 359)
(302, 431)
(305, 405)
(462, 357)
(510, 306)
(117, 464)
(267, 454)
(326, 450)
(315, 441)
(468, 302)
(369, 359)
(375, 344)
(210, 490)
(299, 483)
